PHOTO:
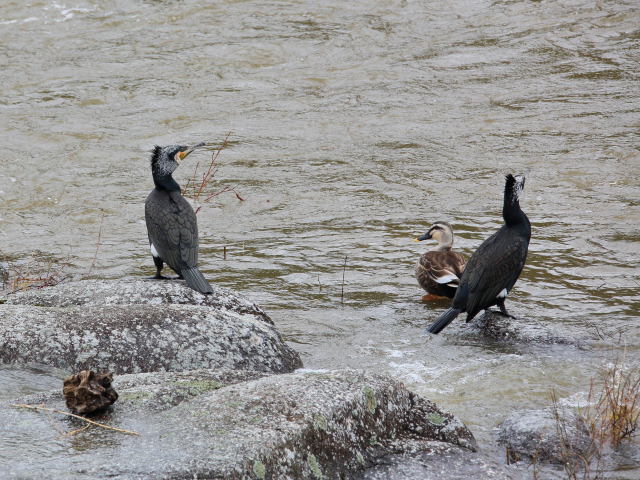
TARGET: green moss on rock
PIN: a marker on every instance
(312, 461)
(136, 397)
(370, 399)
(198, 387)
(320, 422)
(259, 470)
(436, 419)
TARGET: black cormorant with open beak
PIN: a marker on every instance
(493, 269)
(171, 222)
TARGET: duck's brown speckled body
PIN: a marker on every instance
(438, 271)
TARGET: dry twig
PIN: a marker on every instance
(344, 268)
(37, 273)
(77, 430)
(613, 413)
(95, 255)
(45, 409)
(197, 187)
(577, 465)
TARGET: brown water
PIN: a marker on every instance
(354, 126)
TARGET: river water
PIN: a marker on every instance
(354, 125)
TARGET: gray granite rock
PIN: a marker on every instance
(436, 462)
(140, 326)
(135, 291)
(534, 435)
(141, 338)
(304, 425)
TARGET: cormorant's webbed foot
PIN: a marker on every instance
(160, 277)
(503, 311)
(157, 261)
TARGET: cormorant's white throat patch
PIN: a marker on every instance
(518, 187)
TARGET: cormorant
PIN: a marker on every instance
(171, 222)
(438, 271)
(495, 266)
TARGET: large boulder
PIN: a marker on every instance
(544, 436)
(305, 425)
(140, 326)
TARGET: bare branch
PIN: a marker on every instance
(198, 186)
(53, 410)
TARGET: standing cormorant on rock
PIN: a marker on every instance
(439, 270)
(171, 222)
(495, 266)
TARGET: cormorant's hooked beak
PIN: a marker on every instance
(182, 155)
(426, 236)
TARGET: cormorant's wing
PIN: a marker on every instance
(495, 266)
(172, 228)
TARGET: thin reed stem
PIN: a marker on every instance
(53, 410)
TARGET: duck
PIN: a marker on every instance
(438, 271)
(495, 266)
(172, 227)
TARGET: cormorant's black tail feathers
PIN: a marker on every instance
(443, 320)
(196, 280)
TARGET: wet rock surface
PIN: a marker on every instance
(229, 424)
(493, 326)
(98, 325)
(438, 461)
(533, 435)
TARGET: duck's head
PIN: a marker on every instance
(441, 232)
(164, 160)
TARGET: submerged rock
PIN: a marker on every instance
(97, 325)
(305, 425)
(494, 326)
(88, 392)
(535, 435)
